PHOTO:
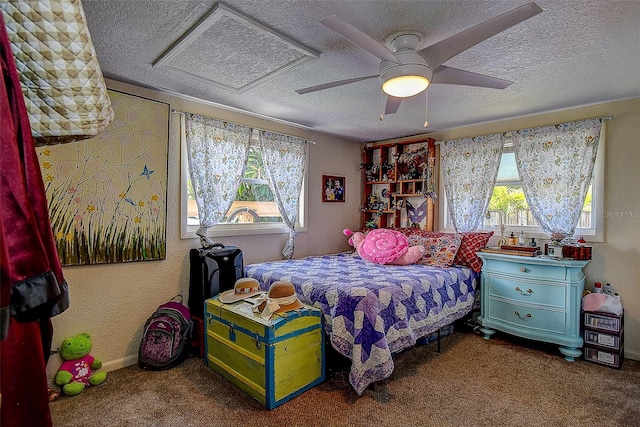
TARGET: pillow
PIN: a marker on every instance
(440, 251)
(472, 242)
(383, 246)
(417, 236)
(409, 231)
(412, 256)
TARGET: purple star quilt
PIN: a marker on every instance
(372, 311)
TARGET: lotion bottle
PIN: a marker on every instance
(521, 239)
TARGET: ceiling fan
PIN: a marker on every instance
(405, 71)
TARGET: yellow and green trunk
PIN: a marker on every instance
(271, 360)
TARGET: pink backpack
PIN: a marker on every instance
(166, 336)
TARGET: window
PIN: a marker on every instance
(508, 203)
(253, 212)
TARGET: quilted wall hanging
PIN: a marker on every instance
(107, 195)
(61, 79)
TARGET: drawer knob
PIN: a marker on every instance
(524, 269)
(525, 317)
(521, 292)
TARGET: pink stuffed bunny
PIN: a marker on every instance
(383, 246)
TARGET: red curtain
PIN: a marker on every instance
(32, 287)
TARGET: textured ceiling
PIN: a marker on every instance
(573, 53)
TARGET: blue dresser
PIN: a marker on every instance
(533, 297)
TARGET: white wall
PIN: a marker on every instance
(617, 259)
(112, 301)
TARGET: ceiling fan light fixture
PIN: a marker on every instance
(403, 81)
(405, 86)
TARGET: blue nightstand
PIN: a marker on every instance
(533, 297)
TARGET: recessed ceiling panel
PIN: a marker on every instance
(233, 51)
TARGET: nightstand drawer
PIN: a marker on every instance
(533, 293)
(528, 270)
(524, 317)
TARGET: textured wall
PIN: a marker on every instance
(112, 302)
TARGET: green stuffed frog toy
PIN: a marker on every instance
(77, 370)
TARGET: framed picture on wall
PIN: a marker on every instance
(333, 188)
(107, 195)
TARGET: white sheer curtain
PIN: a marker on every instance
(469, 169)
(555, 164)
(217, 154)
(284, 159)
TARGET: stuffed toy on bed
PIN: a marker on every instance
(383, 246)
(77, 370)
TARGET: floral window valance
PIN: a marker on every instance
(469, 169)
(555, 164)
(217, 153)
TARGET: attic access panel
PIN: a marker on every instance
(232, 51)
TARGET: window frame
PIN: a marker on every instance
(593, 234)
(188, 231)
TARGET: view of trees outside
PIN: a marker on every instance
(254, 200)
(510, 200)
(252, 191)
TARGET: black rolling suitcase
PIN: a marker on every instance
(213, 270)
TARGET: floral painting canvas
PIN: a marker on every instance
(107, 195)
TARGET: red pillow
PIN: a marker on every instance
(472, 242)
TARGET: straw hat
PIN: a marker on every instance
(244, 288)
(281, 298)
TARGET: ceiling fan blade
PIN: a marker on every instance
(442, 51)
(359, 38)
(454, 76)
(393, 103)
(333, 84)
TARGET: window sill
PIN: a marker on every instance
(589, 235)
(230, 230)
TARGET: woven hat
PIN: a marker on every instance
(281, 298)
(244, 288)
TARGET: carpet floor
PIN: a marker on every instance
(471, 382)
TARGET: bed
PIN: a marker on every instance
(372, 311)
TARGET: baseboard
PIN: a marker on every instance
(112, 365)
(633, 355)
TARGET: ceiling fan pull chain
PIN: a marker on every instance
(381, 105)
(426, 105)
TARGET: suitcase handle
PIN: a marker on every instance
(216, 245)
